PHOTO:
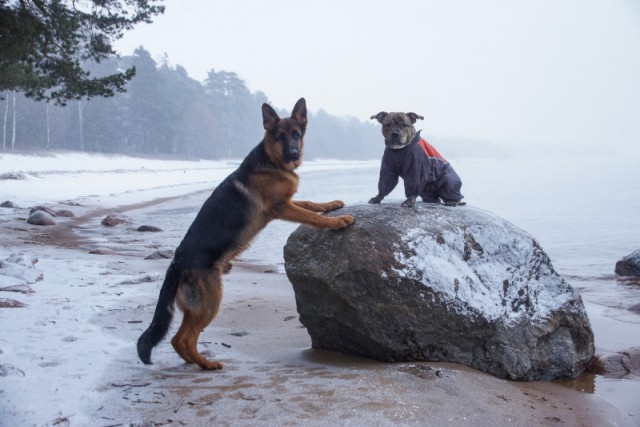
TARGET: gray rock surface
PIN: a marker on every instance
(102, 251)
(43, 209)
(8, 204)
(41, 218)
(65, 213)
(622, 363)
(629, 265)
(147, 228)
(438, 283)
(113, 219)
(11, 303)
(161, 254)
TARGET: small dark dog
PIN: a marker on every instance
(259, 191)
(424, 171)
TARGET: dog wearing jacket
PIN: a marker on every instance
(409, 156)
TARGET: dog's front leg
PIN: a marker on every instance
(319, 207)
(409, 202)
(292, 212)
(377, 199)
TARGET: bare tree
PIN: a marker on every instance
(4, 123)
(48, 126)
(13, 134)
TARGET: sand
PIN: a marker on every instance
(68, 357)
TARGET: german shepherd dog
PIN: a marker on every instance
(260, 190)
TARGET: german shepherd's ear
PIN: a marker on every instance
(380, 116)
(269, 117)
(300, 112)
(414, 117)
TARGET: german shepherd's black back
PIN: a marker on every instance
(259, 191)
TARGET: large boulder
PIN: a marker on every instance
(629, 265)
(438, 283)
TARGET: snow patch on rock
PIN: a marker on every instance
(482, 268)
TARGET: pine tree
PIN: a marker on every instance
(43, 44)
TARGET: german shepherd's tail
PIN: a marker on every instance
(162, 316)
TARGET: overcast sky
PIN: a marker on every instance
(513, 72)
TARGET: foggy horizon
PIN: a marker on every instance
(515, 74)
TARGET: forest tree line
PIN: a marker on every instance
(166, 112)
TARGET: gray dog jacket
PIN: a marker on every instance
(424, 171)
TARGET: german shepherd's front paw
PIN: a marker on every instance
(333, 206)
(409, 202)
(375, 200)
(342, 221)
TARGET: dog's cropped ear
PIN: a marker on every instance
(380, 116)
(300, 112)
(269, 117)
(414, 117)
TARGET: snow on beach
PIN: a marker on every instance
(68, 357)
(111, 180)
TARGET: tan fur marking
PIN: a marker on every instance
(207, 286)
(319, 207)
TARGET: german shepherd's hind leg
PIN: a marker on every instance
(320, 207)
(180, 339)
(200, 302)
